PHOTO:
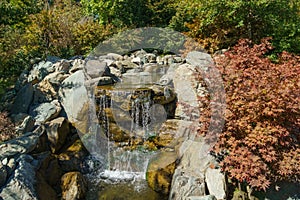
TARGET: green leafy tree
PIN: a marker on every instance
(118, 12)
(221, 23)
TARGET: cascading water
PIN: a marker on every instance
(127, 160)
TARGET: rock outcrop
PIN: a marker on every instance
(138, 101)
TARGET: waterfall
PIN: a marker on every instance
(130, 163)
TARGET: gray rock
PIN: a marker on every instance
(152, 68)
(20, 145)
(57, 132)
(40, 70)
(26, 126)
(151, 57)
(3, 174)
(95, 68)
(165, 80)
(21, 184)
(185, 185)
(115, 71)
(22, 80)
(185, 85)
(188, 179)
(207, 197)
(136, 60)
(23, 100)
(62, 66)
(77, 64)
(53, 59)
(46, 111)
(11, 166)
(114, 56)
(108, 61)
(216, 184)
(168, 59)
(74, 96)
(200, 59)
(56, 78)
(125, 65)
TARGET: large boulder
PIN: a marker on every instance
(21, 184)
(189, 177)
(185, 85)
(216, 184)
(74, 99)
(23, 99)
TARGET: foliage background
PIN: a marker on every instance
(31, 29)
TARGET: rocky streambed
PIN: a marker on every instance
(109, 127)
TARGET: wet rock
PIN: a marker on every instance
(72, 158)
(163, 95)
(73, 186)
(174, 132)
(160, 171)
(23, 99)
(117, 134)
(105, 80)
(21, 184)
(215, 181)
(57, 132)
(46, 111)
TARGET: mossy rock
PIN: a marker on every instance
(160, 171)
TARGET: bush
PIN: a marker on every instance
(261, 133)
(7, 128)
